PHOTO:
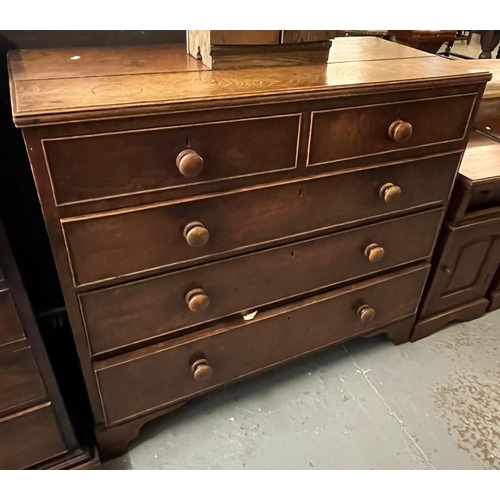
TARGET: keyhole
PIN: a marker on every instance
(187, 142)
(300, 193)
(293, 254)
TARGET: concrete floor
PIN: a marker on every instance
(434, 404)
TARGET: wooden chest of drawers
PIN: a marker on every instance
(35, 430)
(208, 225)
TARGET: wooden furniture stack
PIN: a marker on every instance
(35, 431)
(208, 225)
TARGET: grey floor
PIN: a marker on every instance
(434, 404)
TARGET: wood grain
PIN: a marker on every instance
(53, 98)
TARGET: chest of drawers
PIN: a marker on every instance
(35, 430)
(208, 225)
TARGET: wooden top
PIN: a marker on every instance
(53, 86)
(481, 160)
(369, 48)
(492, 65)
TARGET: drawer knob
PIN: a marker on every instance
(366, 313)
(374, 253)
(400, 131)
(197, 300)
(201, 370)
(196, 234)
(389, 192)
(189, 163)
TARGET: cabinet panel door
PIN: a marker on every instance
(469, 258)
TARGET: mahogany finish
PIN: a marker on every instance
(179, 203)
(131, 313)
(107, 246)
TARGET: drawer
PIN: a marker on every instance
(126, 242)
(341, 134)
(147, 379)
(122, 315)
(109, 165)
(29, 438)
(20, 381)
(11, 329)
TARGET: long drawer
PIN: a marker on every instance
(30, 437)
(341, 134)
(123, 243)
(20, 381)
(122, 315)
(147, 379)
(108, 165)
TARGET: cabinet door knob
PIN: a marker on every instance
(197, 300)
(189, 163)
(196, 234)
(201, 370)
(400, 131)
(374, 253)
(389, 192)
(366, 313)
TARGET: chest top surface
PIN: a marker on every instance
(59, 85)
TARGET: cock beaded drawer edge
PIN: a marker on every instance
(178, 200)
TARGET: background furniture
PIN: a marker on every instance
(35, 430)
(225, 49)
(468, 251)
(168, 226)
(427, 40)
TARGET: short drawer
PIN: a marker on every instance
(342, 134)
(126, 242)
(109, 165)
(11, 329)
(30, 437)
(147, 379)
(20, 381)
(122, 315)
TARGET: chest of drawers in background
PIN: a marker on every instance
(35, 430)
(178, 200)
(467, 255)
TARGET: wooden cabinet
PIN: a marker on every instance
(35, 430)
(210, 225)
(468, 250)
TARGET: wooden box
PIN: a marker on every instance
(228, 49)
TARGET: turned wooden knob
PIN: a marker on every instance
(366, 313)
(196, 234)
(389, 192)
(374, 253)
(400, 131)
(189, 163)
(197, 300)
(201, 370)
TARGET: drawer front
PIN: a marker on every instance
(152, 377)
(122, 243)
(29, 437)
(108, 165)
(20, 381)
(11, 329)
(119, 316)
(364, 131)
